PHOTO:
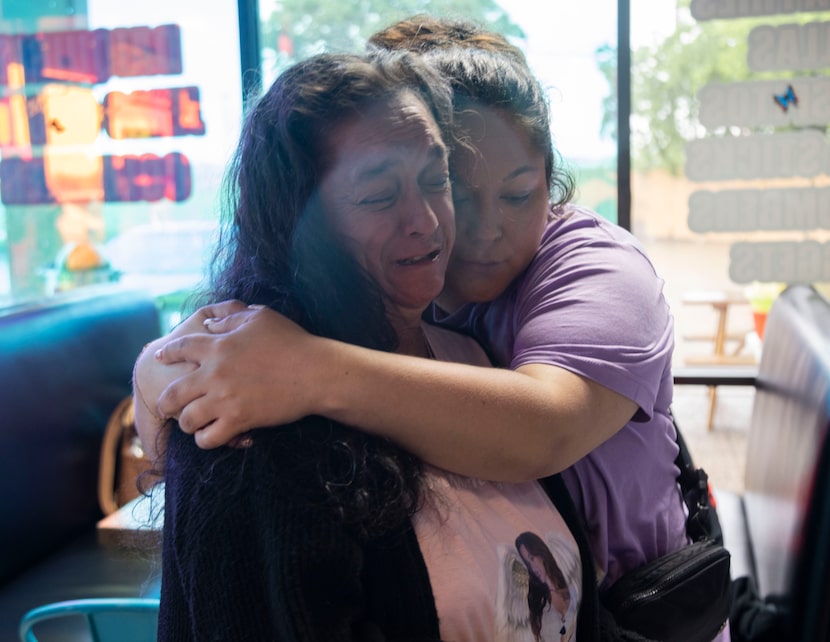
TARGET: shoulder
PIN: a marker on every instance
(573, 226)
(591, 302)
(585, 256)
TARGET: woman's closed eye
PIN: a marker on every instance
(378, 200)
(517, 199)
(436, 184)
(461, 196)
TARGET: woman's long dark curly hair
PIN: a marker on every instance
(276, 249)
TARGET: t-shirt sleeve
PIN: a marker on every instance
(592, 303)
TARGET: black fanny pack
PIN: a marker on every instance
(683, 596)
(680, 597)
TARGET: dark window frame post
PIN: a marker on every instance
(250, 57)
(624, 113)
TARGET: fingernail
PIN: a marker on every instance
(157, 354)
(255, 306)
(210, 320)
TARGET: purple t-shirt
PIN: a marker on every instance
(591, 302)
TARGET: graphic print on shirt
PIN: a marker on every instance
(470, 533)
(537, 598)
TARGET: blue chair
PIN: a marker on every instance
(107, 619)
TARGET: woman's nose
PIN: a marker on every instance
(485, 224)
(419, 217)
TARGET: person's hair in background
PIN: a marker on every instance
(276, 249)
(530, 545)
(498, 78)
(422, 33)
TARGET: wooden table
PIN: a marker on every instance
(136, 525)
(721, 302)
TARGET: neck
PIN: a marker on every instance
(448, 303)
(411, 341)
(406, 321)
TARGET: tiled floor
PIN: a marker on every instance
(721, 451)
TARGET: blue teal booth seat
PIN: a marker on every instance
(65, 364)
(105, 620)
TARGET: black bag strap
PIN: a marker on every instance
(703, 519)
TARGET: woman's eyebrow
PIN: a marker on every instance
(373, 171)
(436, 152)
(517, 172)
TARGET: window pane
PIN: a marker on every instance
(116, 120)
(729, 119)
(571, 47)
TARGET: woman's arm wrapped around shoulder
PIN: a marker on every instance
(261, 368)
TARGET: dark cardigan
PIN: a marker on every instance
(252, 553)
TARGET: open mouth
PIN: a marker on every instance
(424, 258)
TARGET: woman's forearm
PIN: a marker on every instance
(258, 368)
(484, 422)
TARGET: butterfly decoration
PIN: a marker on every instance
(786, 99)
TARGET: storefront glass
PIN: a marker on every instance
(114, 133)
(730, 163)
(116, 120)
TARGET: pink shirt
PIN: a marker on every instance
(467, 532)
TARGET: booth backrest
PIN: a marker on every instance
(64, 365)
(787, 491)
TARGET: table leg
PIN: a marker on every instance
(720, 349)
(713, 398)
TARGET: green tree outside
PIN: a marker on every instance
(296, 29)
